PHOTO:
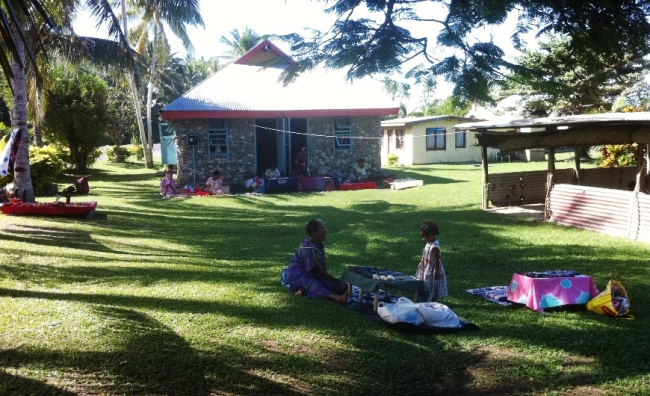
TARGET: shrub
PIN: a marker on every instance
(393, 160)
(617, 155)
(46, 166)
(137, 151)
(64, 153)
(76, 113)
(118, 154)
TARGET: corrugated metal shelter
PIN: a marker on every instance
(243, 119)
(429, 140)
(575, 204)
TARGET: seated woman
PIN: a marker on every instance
(214, 185)
(272, 173)
(360, 171)
(307, 272)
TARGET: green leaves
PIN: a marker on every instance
(370, 37)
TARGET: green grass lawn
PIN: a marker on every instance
(182, 296)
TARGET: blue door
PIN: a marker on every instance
(167, 143)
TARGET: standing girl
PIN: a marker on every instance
(430, 269)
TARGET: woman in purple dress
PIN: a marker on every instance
(307, 272)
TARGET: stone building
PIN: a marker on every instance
(243, 120)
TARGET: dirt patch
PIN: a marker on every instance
(497, 370)
(535, 211)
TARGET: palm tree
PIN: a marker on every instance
(241, 43)
(17, 19)
(155, 18)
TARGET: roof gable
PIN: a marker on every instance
(265, 54)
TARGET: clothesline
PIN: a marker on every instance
(347, 137)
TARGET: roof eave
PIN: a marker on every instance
(184, 115)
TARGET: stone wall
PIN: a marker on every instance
(240, 163)
(323, 156)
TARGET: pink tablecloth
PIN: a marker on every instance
(540, 293)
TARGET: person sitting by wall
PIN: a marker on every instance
(272, 173)
(360, 171)
(167, 184)
(214, 185)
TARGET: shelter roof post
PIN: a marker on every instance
(576, 165)
(484, 168)
(549, 182)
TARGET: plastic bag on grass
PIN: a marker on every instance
(613, 301)
(403, 311)
(438, 315)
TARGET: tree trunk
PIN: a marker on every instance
(22, 173)
(152, 70)
(148, 157)
(38, 120)
(149, 122)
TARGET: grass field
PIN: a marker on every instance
(182, 296)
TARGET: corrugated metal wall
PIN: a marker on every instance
(518, 188)
(614, 212)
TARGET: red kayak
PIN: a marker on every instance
(18, 207)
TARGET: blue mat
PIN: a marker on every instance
(496, 294)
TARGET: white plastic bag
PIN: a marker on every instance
(404, 310)
(438, 315)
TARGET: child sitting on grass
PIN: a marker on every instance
(167, 184)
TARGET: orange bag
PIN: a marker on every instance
(613, 301)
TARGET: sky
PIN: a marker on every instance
(222, 16)
(279, 17)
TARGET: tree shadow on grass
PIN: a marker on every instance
(18, 385)
(146, 357)
(155, 360)
(372, 232)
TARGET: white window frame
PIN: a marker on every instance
(461, 135)
(436, 139)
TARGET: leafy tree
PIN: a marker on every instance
(155, 18)
(450, 106)
(583, 86)
(176, 77)
(24, 27)
(370, 37)
(119, 118)
(82, 94)
(634, 98)
(396, 89)
(197, 70)
(241, 43)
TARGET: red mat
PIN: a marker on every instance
(358, 186)
(49, 208)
